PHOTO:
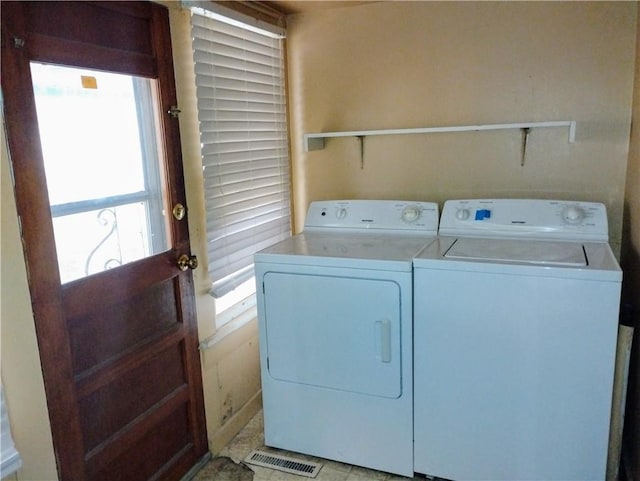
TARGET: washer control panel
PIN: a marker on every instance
(531, 218)
(392, 215)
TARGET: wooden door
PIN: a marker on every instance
(118, 345)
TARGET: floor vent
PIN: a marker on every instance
(283, 463)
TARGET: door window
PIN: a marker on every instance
(105, 192)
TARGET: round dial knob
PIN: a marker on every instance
(463, 214)
(573, 214)
(411, 213)
(341, 212)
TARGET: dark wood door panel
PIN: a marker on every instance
(94, 379)
(126, 28)
(119, 349)
(106, 288)
(116, 405)
(104, 335)
(122, 43)
(155, 451)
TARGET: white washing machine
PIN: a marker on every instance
(515, 328)
(335, 320)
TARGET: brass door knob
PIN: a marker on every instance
(179, 211)
(187, 262)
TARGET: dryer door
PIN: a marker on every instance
(334, 332)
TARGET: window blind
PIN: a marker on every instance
(243, 135)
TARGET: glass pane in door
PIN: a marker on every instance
(99, 136)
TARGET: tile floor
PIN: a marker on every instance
(252, 437)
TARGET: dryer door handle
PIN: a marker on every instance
(383, 338)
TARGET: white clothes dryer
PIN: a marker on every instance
(335, 321)
(515, 329)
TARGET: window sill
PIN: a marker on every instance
(230, 327)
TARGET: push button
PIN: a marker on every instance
(482, 214)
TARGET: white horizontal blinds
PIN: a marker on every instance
(243, 134)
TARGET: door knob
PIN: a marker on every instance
(187, 262)
(179, 211)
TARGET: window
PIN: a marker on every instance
(243, 134)
(109, 212)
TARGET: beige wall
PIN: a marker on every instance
(21, 374)
(423, 64)
(631, 267)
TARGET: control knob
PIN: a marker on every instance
(463, 214)
(573, 214)
(411, 213)
(341, 212)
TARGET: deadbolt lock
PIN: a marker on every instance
(179, 211)
(186, 262)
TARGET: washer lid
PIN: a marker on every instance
(551, 253)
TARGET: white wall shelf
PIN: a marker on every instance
(316, 141)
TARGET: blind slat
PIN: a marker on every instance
(239, 220)
(244, 235)
(243, 132)
(240, 258)
(266, 195)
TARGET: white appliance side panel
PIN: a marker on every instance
(513, 375)
(334, 332)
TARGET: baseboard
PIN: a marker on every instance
(223, 436)
(197, 467)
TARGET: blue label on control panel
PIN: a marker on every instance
(482, 214)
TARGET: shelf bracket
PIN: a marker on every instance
(313, 143)
(361, 139)
(525, 139)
